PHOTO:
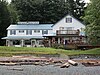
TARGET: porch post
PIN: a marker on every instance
(11, 43)
(8, 43)
(58, 40)
(31, 43)
(22, 43)
(36, 43)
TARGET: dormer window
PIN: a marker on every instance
(68, 20)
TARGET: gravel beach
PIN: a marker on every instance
(50, 70)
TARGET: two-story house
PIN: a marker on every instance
(66, 31)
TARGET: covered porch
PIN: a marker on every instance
(21, 41)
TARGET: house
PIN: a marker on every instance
(27, 34)
(67, 31)
(30, 34)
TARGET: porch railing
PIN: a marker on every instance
(68, 32)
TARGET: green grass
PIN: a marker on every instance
(10, 51)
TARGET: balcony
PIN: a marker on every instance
(67, 32)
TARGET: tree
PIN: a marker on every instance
(79, 7)
(13, 14)
(53, 10)
(27, 9)
(48, 11)
(4, 19)
(92, 18)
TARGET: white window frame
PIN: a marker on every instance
(12, 32)
(36, 31)
(68, 20)
(21, 31)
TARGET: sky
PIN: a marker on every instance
(85, 1)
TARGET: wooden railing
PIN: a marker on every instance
(68, 32)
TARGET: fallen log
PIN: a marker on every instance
(91, 64)
(66, 65)
(72, 62)
(9, 64)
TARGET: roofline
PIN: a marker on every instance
(28, 29)
(71, 16)
(30, 24)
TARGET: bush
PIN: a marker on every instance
(55, 45)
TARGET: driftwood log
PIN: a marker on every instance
(72, 62)
(66, 65)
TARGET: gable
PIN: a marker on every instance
(68, 21)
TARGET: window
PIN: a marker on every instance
(44, 31)
(36, 31)
(28, 32)
(12, 32)
(68, 20)
(21, 31)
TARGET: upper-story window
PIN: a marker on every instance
(44, 31)
(68, 20)
(36, 31)
(12, 32)
(28, 32)
(21, 31)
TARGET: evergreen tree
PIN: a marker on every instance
(27, 9)
(13, 14)
(4, 19)
(92, 18)
(48, 11)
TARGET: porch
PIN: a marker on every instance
(24, 43)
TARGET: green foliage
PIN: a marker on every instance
(92, 18)
(13, 13)
(48, 11)
(4, 19)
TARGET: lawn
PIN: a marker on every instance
(10, 51)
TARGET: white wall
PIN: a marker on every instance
(62, 23)
(24, 34)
